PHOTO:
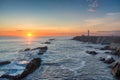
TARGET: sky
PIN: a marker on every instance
(59, 17)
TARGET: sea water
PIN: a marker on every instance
(65, 59)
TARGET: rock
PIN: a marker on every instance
(112, 64)
(116, 52)
(91, 52)
(106, 48)
(30, 67)
(51, 39)
(17, 77)
(43, 50)
(4, 63)
(27, 49)
(102, 59)
(40, 48)
(109, 60)
(116, 70)
(107, 52)
(47, 43)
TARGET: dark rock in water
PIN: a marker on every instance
(47, 43)
(116, 70)
(31, 67)
(116, 52)
(40, 48)
(4, 63)
(106, 48)
(109, 60)
(27, 49)
(51, 39)
(17, 77)
(112, 64)
(43, 50)
(102, 59)
(91, 52)
(107, 52)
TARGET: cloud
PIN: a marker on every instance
(93, 4)
(112, 14)
(107, 25)
(118, 31)
(91, 10)
(20, 30)
(110, 33)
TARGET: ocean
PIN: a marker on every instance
(65, 59)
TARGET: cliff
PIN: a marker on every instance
(113, 41)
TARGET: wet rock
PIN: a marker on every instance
(102, 59)
(4, 63)
(109, 60)
(40, 48)
(116, 70)
(31, 67)
(47, 43)
(116, 52)
(17, 77)
(106, 48)
(107, 52)
(51, 39)
(112, 64)
(91, 52)
(27, 49)
(43, 50)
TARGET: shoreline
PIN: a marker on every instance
(36, 52)
(113, 44)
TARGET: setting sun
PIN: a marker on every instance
(29, 34)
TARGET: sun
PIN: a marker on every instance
(29, 34)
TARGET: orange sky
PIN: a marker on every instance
(59, 18)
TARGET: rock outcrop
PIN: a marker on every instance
(109, 60)
(91, 52)
(47, 42)
(102, 59)
(106, 48)
(27, 49)
(42, 50)
(30, 67)
(116, 69)
(97, 39)
(4, 63)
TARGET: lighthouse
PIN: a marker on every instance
(88, 33)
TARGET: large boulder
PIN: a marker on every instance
(30, 67)
(91, 52)
(4, 63)
(109, 60)
(27, 49)
(116, 70)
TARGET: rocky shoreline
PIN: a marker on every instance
(35, 62)
(113, 44)
(30, 67)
